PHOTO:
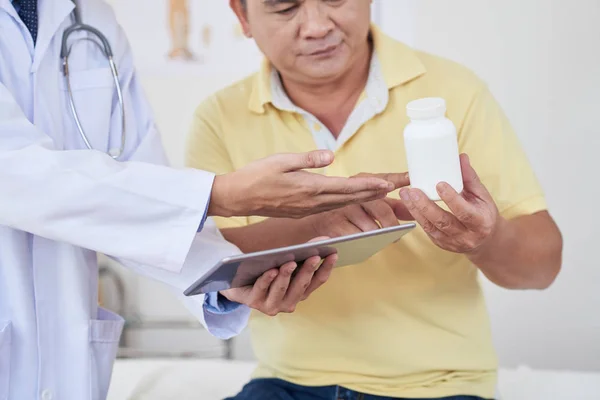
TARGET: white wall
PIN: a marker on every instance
(540, 58)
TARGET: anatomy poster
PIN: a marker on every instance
(189, 36)
(185, 36)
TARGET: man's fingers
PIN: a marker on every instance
(382, 212)
(465, 212)
(399, 209)
(344, 228)
(300, 283)
(260, 289)
(397, 179)
(279, 288)
(361, 219)
(349, 186)
(327, 202)
(472, 184)
(321, 276)
(441, 219)
(417, 214)
(288, 162)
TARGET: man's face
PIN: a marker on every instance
(312, 41)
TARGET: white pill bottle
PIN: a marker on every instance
(431, 147)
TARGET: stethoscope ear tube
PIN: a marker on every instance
(64, 48)
(104, 46)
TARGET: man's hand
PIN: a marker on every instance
(277, 291)
(363, 217)
(278, 186)
(474, 216)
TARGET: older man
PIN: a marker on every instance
(411, 322)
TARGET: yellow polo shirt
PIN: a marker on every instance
(412, 320)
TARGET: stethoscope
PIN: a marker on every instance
(100, 41)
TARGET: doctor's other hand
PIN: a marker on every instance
(368, 216)
(279, 186)
(279, 291)
(472, 220)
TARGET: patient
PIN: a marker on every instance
(411, 322)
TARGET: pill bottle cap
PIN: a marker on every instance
(427, 108)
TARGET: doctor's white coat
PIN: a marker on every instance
(61, 203)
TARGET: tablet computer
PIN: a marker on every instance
(245, 269)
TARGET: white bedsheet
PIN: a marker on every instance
(147, 379)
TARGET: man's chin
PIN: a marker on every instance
(324, 73)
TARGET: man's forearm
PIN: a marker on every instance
(524, 253)
(269, 234)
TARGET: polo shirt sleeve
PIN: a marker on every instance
(495, 152)
(205, 150)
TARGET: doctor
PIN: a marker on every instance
(82, 171)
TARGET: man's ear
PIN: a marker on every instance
(242, 14)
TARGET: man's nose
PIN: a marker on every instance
(315, 20)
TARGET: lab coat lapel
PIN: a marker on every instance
(51, 15)
(7, 6)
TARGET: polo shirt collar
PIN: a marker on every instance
(399, 64)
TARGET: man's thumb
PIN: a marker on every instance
(471, 180)
(400, 209)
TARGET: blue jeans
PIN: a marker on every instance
(275, 389)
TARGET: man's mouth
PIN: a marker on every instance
(324, 51)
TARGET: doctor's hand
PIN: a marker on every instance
(279, 186)
(473, 218)
(277, 291)
(363, 217)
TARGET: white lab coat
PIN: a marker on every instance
(61, 203)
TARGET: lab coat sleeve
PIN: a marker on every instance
(208, 246)
(138, 211)
(133, 210)
(207, 249)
